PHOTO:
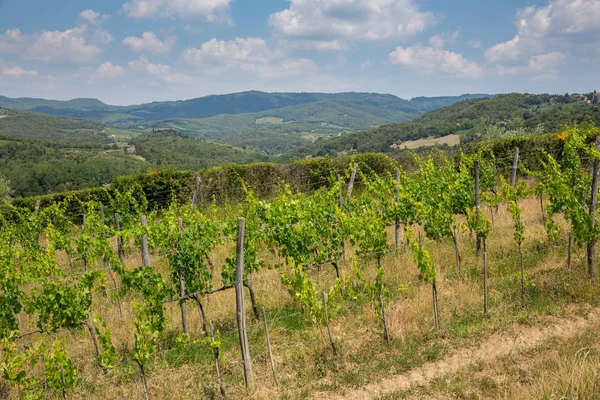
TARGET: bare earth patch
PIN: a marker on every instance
(450, 140)
(3, 116)
(499, 345)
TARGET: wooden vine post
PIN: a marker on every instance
(386, 334)
(477, 206)
(196, 192)
(352, 178)
(119, 240)
(328, 326)
(217, 363)
(145, 251)
(485, 290)
(239, 303)
(397, 202)
(107, 266)
(593, 203)
(515, 166)
(182, 298)
(269, 346)
(569, 250)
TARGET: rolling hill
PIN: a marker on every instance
(249, 119)
(40, 153)
(467, 118)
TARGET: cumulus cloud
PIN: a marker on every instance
(18, 71)
(559, 25)
(251, 55)
(70, 44)
(93, 17)
(441, 40)
(209, 10)
(328, 21)
(542, 67)
(149, 43)
(431, 60)
(80, 44)
(160, 71)
(107, 70)
(13, 41)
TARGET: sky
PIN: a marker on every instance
(137, 51)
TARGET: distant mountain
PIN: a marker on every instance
(235, 103)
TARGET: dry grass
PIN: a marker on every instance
(450, 140)
(303, 357)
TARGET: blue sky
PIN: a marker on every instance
(134, 51)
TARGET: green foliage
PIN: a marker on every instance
(422, 258)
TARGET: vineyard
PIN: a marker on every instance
(301, 294)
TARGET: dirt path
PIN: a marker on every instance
(498, 345)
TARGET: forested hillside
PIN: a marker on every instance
(42, 154)
(468, 118)
(271, 123)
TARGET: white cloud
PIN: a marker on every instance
(93, 17)
(161, 71)
(560, 25)
(80, 44)
(13, 41)
(431, 60)
(209, 10)
(440, 41)
(251, 55)
(149, 43)
(18, 71)
(71, 45)
(107, 70)
(341, 20)
(543, 66)
(476, 43)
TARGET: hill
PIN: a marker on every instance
(271, 123)
(41, 153)
(467, 118)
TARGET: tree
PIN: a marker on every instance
(5, 189)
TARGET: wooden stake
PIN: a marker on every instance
(386, 334)
(522, 276)
(64, 382)
(456, 252)
(196, 192)
(592, 244)
(352, 178)
(328, 326)
(477, 206)
(182, 298)
(269, 346)
(239, 302)
(143, 377)
(119, 240)
(107, 266)
(37, 207)
(515, 165)
(569, 251)
(397, 231)
(90, 325)
(145, 252)
(485, 291)
(217, 366)
(340, 195)
(435, 307)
